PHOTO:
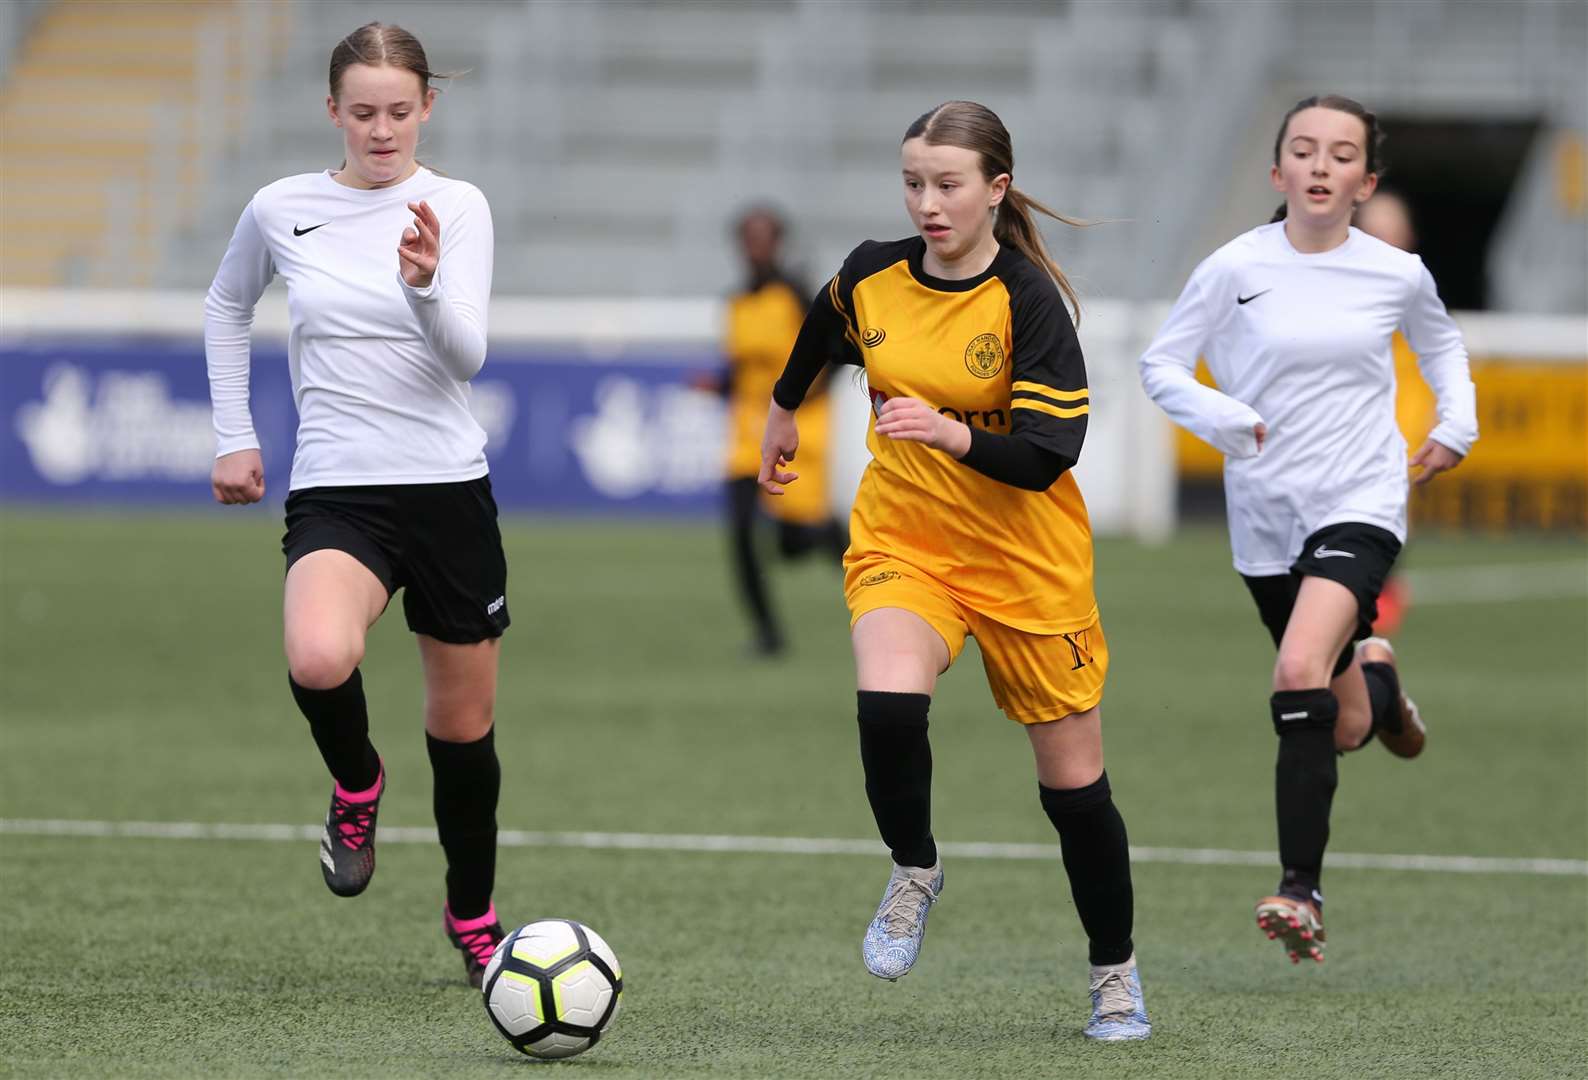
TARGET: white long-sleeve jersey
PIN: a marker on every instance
(1302, 343)
(379, 369)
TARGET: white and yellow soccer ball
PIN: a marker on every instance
(553, 988)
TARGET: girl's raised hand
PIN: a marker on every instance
(420, 249)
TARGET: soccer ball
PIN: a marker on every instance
(552, 988)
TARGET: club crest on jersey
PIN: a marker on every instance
(871, 337)
(984, 356)
(880, 576)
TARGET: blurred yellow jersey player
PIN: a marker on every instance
(763, 321)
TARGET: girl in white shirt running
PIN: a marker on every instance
(388, 274)
(1295, 319)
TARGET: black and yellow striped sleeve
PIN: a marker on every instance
(1049, 399)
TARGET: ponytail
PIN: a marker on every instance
(1279, 215)
(1015, 226)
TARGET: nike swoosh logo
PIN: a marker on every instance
(1248, 299)
(1331, 553)
(300, 232)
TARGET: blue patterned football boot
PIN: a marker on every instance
(893, 940)
(1118, 1012)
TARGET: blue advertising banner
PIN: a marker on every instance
(128, 422)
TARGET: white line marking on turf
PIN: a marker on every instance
(1498, 583)
(783, 845)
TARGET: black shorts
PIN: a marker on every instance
(1357, 556)
(439, 543)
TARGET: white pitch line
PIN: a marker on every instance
(783, 845)
(1498, 583)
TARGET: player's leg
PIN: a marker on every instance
(460, 701)
(743, 497)
(456, 605)
(898, 657)
(1305, 714)
(828, 539)
(1353, 726)
(1318, 708)
(330, 600)
(1397, 721)
(1052, 684)
(1076, 796)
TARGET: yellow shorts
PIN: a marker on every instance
(1033, 677)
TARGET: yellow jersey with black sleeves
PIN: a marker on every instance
(998, 352)
(762, 323)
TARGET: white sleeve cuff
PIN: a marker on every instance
(429, 292)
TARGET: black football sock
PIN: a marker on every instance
(339, 721)
(1304, 781)
(1384, 691)
(897, 759)
(1097, 860)
(468, 779)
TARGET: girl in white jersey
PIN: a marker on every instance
(388, 273)
(1295, 320)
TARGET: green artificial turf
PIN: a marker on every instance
(143, 680)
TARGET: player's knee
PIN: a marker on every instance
(459, 711)
(898, 672)
(460, 722)
(322, 662)
(1297, 671)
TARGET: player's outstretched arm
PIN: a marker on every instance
(778, 446)
(238, 478)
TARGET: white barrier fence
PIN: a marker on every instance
(1127, 472)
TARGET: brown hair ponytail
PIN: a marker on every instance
(975, 127)
(1015, 225)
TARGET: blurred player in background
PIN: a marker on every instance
(1388, 216)
(388, 273)
(969, 522)
(763, 320)
(1295, 320)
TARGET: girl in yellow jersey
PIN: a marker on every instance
(763, 320)
(968, 522)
